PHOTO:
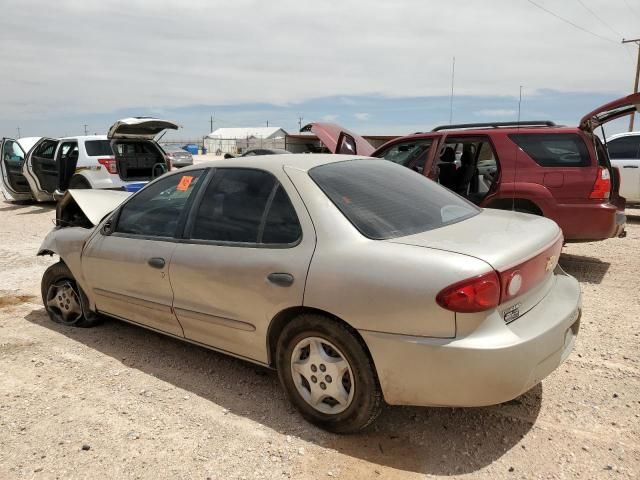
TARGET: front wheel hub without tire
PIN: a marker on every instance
(64, 302)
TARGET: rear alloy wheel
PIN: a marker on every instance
(63, 299)
(327, 374)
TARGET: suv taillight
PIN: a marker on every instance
(475, 294)
(602, 186)
(110, 164)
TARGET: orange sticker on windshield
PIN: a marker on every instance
(184, 183)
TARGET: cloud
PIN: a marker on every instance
(330, 117)
(496, 112)
(364, 116)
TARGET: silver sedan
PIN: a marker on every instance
(357, 279)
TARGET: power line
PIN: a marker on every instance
(611, 29)
(632, 9)
(575, 25)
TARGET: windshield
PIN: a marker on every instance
(383, 200)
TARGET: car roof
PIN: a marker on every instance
(624, 134)
(490, 131)
(86, 137)
(300, 161)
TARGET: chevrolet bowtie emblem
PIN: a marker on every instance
(551, 262)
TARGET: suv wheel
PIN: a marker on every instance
(328, 374)
(79, 182)
(64, 300)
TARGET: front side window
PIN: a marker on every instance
(155, 211)
(627, 148)
(13, 154)
(412, 153)
(249, 206)
(383, 200)
(554, 149)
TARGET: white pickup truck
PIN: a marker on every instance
(624, 152)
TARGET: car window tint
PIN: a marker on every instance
(624, 148)
(46, 149)
(96, 148)
(554, 150)
(411, 153)
(233, 206)
(156, 209)
(383, 200)
(281, 225)
(13, 154)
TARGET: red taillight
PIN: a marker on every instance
(110, 164)
(475, 294)
(602, 187)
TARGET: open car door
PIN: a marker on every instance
(140, 127)
(14, 184)
(339, 140)
(41, 170)
(610, 111)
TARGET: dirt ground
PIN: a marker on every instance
(119, 401)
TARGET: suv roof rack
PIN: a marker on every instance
(531, 123)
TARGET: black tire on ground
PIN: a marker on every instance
(58, 283)
(367, 401)
(79, 182)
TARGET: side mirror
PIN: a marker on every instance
(107, 228)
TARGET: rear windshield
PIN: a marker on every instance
(624, 148)
(96, 148)
(554, 149)
(384, 200)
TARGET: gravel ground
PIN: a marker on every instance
(119, 401)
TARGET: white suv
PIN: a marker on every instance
(44, 168)
(624, 152)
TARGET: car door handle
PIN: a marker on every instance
(282, 279)
(156, 262)
(630, 166)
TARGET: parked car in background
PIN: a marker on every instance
(127, 154)
(624, 151)
(562, 173)
(259, 151)
(355, 278)
(178, 156)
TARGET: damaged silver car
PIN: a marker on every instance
(355, 278)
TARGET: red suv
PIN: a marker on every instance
(538, 167)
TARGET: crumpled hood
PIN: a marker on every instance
(501, 238)
(92, 204)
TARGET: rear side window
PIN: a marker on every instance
(97, 148)
(46, 149)
(384, 200)
(554, 150)
(245, 206)
(412, 154)
(627, 148)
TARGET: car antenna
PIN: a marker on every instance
(515, 166)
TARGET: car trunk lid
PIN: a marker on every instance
(523, 249)
(339, 140)
(140, 127)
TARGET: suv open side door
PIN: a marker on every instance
(12, 158)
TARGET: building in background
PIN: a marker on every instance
(238, 140)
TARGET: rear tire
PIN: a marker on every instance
(328, 374)
(64, 300)
(78, 182)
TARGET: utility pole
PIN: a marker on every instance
(211, 124)
(85, 129)
(635, 83)
(300, 123)
(267, 123)
(19, 132)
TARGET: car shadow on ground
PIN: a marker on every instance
(634, 219)
(585, 269)
(438, 441)
(29, 207)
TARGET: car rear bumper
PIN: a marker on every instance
(585, 222)
(494, 364)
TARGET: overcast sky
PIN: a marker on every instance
(372, 64)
